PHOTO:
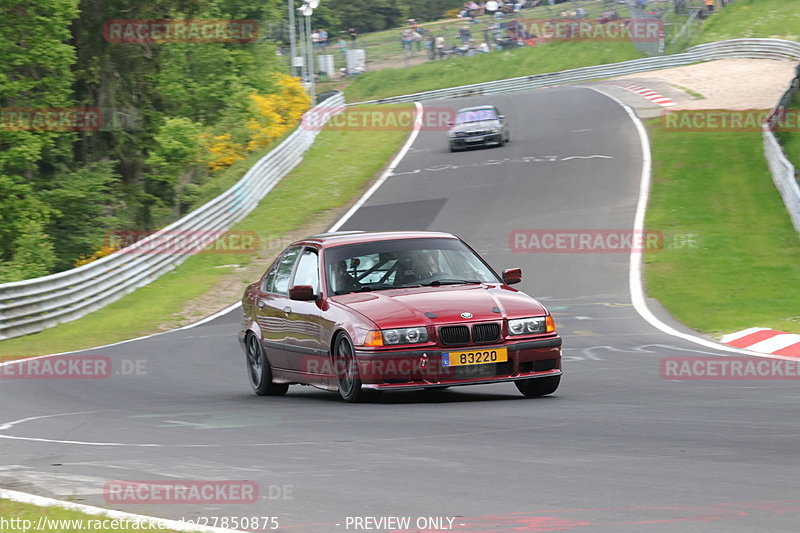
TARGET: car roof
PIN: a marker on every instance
(339, 238)
(475, 108)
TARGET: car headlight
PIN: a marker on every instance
(405, 335)
(531, 326)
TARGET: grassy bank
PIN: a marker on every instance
(487, 67)
(732, 258)
(778, 19)
(333, 173)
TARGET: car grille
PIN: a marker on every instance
(452, 335)
(459, 335)
(473, 133)
(485, 333)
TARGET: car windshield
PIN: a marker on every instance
(475, 115)
(393, 264)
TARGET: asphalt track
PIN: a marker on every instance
(616, 449)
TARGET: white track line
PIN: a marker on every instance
(386, 173)
(635, 268)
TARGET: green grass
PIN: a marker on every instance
(10, 510)
(778, 19)
(332, 174)
(487, 67)
(744, 267)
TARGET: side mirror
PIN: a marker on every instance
(512, 276)
(303, 293)
(501, 117)
(449, 122)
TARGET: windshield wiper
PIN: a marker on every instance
(368, 288)
(439, 282)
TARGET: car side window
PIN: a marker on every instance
(307, 272)
(283, 271)
(269, 280)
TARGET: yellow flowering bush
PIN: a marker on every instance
(223, 151)
(275, 114)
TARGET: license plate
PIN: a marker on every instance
(475, 357)
(474, 139)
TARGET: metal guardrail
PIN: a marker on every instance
(32, 305)
(745, 48)
(783, 172)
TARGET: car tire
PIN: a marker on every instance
(346, 365)
(533, 388)
(259, 371)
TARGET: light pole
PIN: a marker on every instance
(292, 45)
(306, 10)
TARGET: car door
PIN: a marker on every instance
(271, 308)
(305, 348)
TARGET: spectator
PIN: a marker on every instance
(464, 34)
(416, 36)
(710, 5)
(353, 35)
(323, 38)
(407, 39)
(439, 44)
(483, 48)
(470, 11)
(430, 45)
(315, 39)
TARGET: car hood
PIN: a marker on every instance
(441, 305)
(475, 126)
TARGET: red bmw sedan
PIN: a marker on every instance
(356, 312)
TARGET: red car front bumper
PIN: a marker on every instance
(414, 369)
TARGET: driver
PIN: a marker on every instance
(427, 265)
(417, 266)
(343, 281)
